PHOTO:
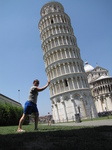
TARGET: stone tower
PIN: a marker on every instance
(69, 90)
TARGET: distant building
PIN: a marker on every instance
(44, 119)
(101, 87)
(5, 99)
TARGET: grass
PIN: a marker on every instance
(99, 118)
(56, 137)
(93, 119)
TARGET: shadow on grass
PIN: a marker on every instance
(80, 139)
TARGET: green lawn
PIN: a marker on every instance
(56, 137)
(99, 118)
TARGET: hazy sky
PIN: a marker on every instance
(21, 56)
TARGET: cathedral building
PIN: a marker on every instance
(101, 87)
(70, 93)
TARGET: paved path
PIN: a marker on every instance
(107, 122)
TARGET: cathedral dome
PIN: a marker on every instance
(88, 67)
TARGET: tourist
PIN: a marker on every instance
(49, 119)
(31, 104)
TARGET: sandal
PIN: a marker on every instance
(20, 130)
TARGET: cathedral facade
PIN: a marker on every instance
(101, 87)
(70, 93)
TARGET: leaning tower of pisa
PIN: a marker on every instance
(69, 90)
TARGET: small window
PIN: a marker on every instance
(66, 84)
(62, 20)
(52, 21)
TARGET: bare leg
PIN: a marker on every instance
(21, 121)
(36, 120)
(49, 122)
